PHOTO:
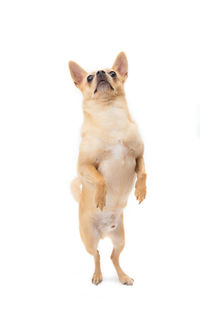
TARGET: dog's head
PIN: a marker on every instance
(102, 84)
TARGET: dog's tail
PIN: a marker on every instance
(76, 188)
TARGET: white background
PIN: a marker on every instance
(43, 264)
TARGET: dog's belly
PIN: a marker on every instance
(118, 169)
(106, 221)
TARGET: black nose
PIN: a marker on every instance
(101, 73)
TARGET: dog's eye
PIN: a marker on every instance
(90, 78)
(113, 74)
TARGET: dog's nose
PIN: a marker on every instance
(101, 73)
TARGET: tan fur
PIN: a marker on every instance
(110, 159)
(76, 188)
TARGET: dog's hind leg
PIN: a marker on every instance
(90, 238)
(97, 276)
(117, 237)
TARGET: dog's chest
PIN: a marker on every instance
(116, 158)
(118, 151)
(118, 169)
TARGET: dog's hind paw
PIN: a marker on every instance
(126, 280)
(97, 278)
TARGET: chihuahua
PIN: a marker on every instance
(110, 160)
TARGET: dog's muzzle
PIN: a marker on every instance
(102, 80)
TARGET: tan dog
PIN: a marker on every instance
(111, 155)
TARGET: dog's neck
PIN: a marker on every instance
(104, 113)
(94, 106)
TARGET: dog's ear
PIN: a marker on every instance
(121, 65)
(77, 73)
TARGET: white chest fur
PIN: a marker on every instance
(118, 150)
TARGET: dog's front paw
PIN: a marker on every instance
(140, 189)
(101, 201)
(101, 196)
(140, 194)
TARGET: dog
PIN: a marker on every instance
(110, 160)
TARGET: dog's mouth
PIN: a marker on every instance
(103, 84)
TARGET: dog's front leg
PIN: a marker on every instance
(140, 187)
(91, 175)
